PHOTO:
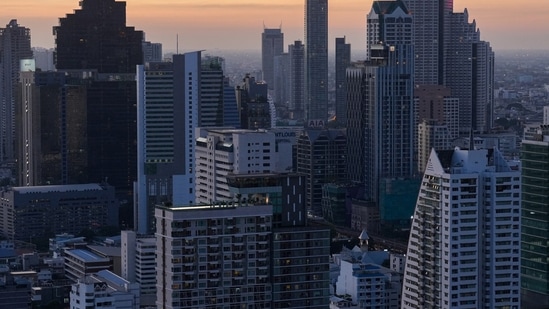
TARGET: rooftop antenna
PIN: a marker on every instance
(177, 44)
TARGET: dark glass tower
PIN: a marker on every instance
(95, 44)
(342, 61)
(96, 38)
(14, 46)
(316, 60)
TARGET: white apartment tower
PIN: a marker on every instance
(223, 151)
(168, 96)
(464, 246)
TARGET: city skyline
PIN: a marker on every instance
(238, 24)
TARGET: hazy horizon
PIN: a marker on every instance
(238, 24)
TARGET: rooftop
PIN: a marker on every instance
(86, 255)
(58, 188)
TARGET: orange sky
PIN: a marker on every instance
(237, 24)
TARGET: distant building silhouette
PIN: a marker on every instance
(272, 45)
(297, 80)
(253, 104)
(152, 52)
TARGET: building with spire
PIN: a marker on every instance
(316, 60)
(463, 250)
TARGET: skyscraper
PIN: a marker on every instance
(95, 44)
(272, 45)
(469, 73)
(321, 159)
(535, 197)
(463, 250)
(316, 60)
(388, 115)
(253, 104)
(448, 51)
(15, 45)
(51, 130)
(388, 22)
(342, 61)
(168, 98)
(297, 80)
(96, 37)
(429, 31)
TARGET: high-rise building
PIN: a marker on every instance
(321, 159)
(429, 31)
(342, 61)
(316, 60)
(469, 73)
(389, 22)
(152, 52)
(299, 253)
(430, 135)
(95, 37)
(534, 269)
(95, 44)
(212, 83)
(225, 151)
(381, 117)
(168, 103)
(448, 51)
(435, 102)
(297, 80)
(51, 148)
(214, 255)
(253, 104)
(282, 80)
(463, 250)
(272, 45)
(15, 45)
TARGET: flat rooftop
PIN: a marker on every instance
(58, 188)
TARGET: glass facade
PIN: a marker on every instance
(535, 216)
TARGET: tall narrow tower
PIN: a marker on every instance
(272, 45)
(15, 45)
(342, 61)
(316, 60)
(168, 94)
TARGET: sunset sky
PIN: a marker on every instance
(237, 24)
